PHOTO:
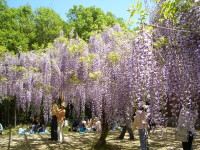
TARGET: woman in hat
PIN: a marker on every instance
(60, 113)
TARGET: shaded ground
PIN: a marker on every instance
(159, 140)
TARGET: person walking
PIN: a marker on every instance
(126, 127)
(140, 122)
(185, 130)
(60, 113)
(54, 126)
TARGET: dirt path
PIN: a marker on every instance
(75, 141)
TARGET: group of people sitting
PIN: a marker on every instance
(86, 125)
(36, 125)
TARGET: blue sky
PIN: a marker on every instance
(117, 7)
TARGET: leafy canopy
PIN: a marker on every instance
(3, 5)
(24, 30)
(48, 25)
(84, 20)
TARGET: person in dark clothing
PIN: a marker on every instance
(34, 121)
(130, 131)
(34, 124)
(127, 127)
(75, 124)
(54, 125)
(41, 127)
(37, 125)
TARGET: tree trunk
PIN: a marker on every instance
(7, 113)
(15, 112)
(102, 140)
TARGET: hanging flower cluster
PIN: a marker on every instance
(177, 43)
(114, 72)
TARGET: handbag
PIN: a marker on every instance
(181, 134)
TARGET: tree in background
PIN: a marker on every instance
(85, 20)
(3, 5)
(27, 26)
(17, 28)
(48, 26)
(25, 30)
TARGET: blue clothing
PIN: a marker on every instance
(82, 130)
(35, 127)
(143, 139)
(1, 127)
(75, 125)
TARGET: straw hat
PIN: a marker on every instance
(96, 119)
(63, 104)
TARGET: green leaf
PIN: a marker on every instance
(33, 69)
(157, 1)
(150, 28)
(132, 22)
(140, 6)
(137, 4)
(161, 20)
(39, 85)
(132, 5)
(4, 79)
(133, 13)
(95, 75)
(177, 1)
(113, 57)
(166, 14)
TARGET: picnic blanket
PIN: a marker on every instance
(22, 131)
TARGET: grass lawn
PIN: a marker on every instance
(159, 140)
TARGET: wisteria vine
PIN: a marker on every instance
(121, 67)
